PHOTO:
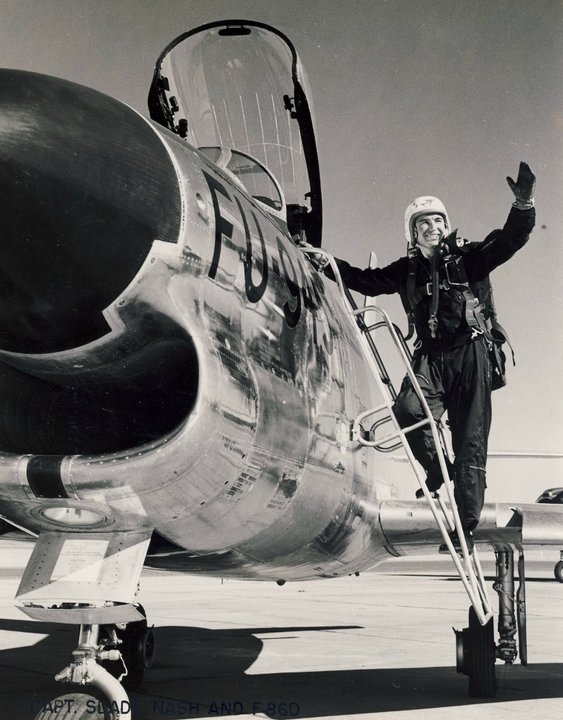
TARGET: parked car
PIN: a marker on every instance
(555, 496)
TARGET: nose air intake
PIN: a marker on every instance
(86, 186)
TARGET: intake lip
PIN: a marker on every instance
(86, 186)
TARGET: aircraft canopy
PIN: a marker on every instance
(239, 85)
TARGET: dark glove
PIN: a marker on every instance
(318, 260)
(523, 188)
(453, 244)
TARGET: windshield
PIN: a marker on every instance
(254, 177)
(239, 84)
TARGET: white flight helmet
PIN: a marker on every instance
(424, 205)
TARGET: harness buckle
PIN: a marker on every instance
(444, 285)
(476, 332)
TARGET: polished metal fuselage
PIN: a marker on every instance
(261, 477)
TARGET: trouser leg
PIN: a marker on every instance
(469, 412)
(408, 411)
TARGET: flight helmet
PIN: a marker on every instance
(423, 206)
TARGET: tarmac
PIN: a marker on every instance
(377, 646)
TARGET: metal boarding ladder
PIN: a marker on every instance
(470, 572)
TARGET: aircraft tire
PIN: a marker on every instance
(558, 571)
(73, 706)
(138, 651)
(137, 648)
(481, 658)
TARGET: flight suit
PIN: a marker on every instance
(453, 366)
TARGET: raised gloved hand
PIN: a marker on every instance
(523, 188)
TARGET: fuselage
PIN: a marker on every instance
(184, 368)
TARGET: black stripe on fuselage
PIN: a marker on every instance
(44, 476)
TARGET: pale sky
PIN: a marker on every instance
(439, 97)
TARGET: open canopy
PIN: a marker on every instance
(239, 85)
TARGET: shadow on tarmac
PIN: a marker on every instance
(202, 673)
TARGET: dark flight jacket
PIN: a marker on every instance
(479, 259)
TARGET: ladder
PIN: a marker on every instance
(447, 518)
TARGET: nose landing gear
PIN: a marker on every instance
(109, 658)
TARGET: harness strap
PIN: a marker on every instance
(411, 292)
(456, 277)
(498, 330)
(496, 327)
(433, 319)
(474, 309)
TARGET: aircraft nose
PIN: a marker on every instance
(86, 186)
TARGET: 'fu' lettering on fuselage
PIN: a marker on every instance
(305, 290)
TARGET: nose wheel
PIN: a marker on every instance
(476, 655)
(135, 643)
(77, 706)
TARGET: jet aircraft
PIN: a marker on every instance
(181, 387)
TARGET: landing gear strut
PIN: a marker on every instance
(106, 655)
(504, 587)
(512, 607)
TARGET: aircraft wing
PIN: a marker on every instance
(409, 526)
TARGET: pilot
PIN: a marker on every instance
(445, 289)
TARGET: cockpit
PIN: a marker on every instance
(256, 179)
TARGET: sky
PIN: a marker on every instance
(440, 97)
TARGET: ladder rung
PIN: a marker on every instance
(390, 436)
